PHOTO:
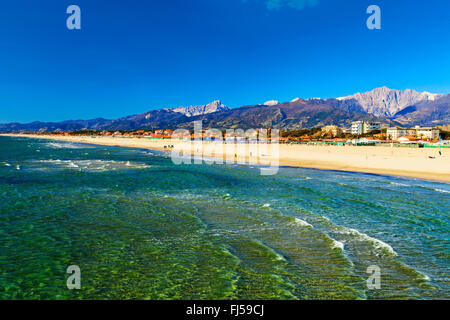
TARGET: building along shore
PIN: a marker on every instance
(425, 163)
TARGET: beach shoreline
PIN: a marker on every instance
(393, 161)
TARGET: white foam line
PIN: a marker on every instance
(442, 191)
(67, 145)
(96, 165)
(424, 276)
(338, 244)
(400, 184)
(377, 243)
(302, 223)
(72, 165)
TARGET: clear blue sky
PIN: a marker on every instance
(132, 56)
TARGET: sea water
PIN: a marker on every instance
(140, 227)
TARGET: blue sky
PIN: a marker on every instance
(132, 56)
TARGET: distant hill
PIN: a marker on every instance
(70, 125)
(389, 106)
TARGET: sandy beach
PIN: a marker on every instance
(397, 161)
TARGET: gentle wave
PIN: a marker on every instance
(400, 184)
(442, 191)
(338, 244)
(424, 276)
(364, 237)
(94, 165)
(302, 223)
(408, 185)
(278, 256)
(65, 145)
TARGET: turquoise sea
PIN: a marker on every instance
(140, 227)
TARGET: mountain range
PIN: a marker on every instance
(192, 111)
(388, 102)
(389, 106)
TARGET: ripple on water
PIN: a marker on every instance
(207, 232)
(379, 246)
(67, 145)
(91, 165)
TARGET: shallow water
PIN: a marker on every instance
(141, 227)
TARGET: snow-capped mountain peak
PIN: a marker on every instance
(201, 109)
(384, 101)
(271, 103)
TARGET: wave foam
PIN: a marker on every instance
(400, 184)
(302, 223)
(442, 191)
(65, 145)
(424, 277)
(364, 237)
(338, 244)
(94, 165)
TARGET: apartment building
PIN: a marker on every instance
(361, 127)
(333, 130)
(425, 133)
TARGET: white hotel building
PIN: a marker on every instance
(426, 133)
(361, 127)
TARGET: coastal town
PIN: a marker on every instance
(361, 133)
